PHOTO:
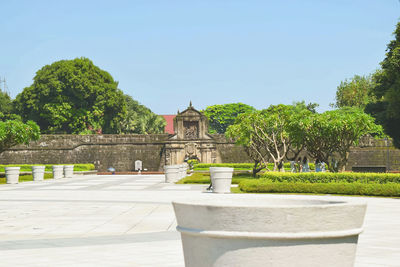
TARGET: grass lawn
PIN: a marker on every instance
(26, 178)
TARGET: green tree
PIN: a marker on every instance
(5, 105)
(242, 132)
(221, 116)
(140, 119)
(355, 92)
(15, 132)
(73, 96)
(271, 134)
(386, 108)
(332, 134)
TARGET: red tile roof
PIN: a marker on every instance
(169, 127)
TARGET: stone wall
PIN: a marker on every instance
(118, 151)
(121, 152)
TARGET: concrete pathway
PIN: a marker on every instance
(129, 221)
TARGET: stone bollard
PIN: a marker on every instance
(258, 230)
(58, 171)
(68, 171)
(221, 179)
(171, 173)
(12, 175)
(38, 173)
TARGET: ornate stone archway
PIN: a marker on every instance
(191, 139)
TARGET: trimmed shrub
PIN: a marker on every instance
(327, 177)
(25, 178)
(342, 188)
(240, 166)
(28, 167)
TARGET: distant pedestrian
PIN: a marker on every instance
(299, 166)
(293, 166)
(305, 166)
(317, 165)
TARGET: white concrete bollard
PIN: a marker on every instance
(38, 173)
(258, 230)
(68, 171)
(172, 173)
(12, 175)
(58, 171)
(221, 179)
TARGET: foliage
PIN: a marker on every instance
(25, 178)
(15, 132)
(271, 134)
(220, 117)
(73, 96)
(342, 188)
(240, 166)
(5, 105)
(333, 133)
(355, 92)
(48, 167)
(140, 119)
(387, 91)
(327, 177)
(204, 178)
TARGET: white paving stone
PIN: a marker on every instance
(128, 221)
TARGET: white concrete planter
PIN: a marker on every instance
(58, 171)
(183, 170)
(259, 230)
(68, 171)
(12, 175)
(172, 173)
(221, 179)
(38, 173)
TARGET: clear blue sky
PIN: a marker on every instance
(165, 53)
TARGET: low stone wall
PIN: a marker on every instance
(118, 151)
(121, 152)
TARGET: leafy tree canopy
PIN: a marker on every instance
(15, 132)
(221, 116)
(333, 133)
(355, 92)
(140, 119)
(386, 109)
(73, 96)
(5, 105)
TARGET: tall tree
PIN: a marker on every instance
(221, 116)
(5, 105)
(242, 132)
(140, 119)
(330, 135)
(73, 96)
(271, 134)
(355, 92)
(386, 108)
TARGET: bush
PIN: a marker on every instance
(25, 177)
(28, 167)
(204, 178)
(327, 177)
(240, 166)
(342, 188)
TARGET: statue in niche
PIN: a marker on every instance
(191, 131)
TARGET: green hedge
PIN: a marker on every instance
(342, 188)
(28, 167)
(25, 178)
(239, 166)
(327, 177)
(204, 178)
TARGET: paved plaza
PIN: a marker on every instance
(129, 221)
